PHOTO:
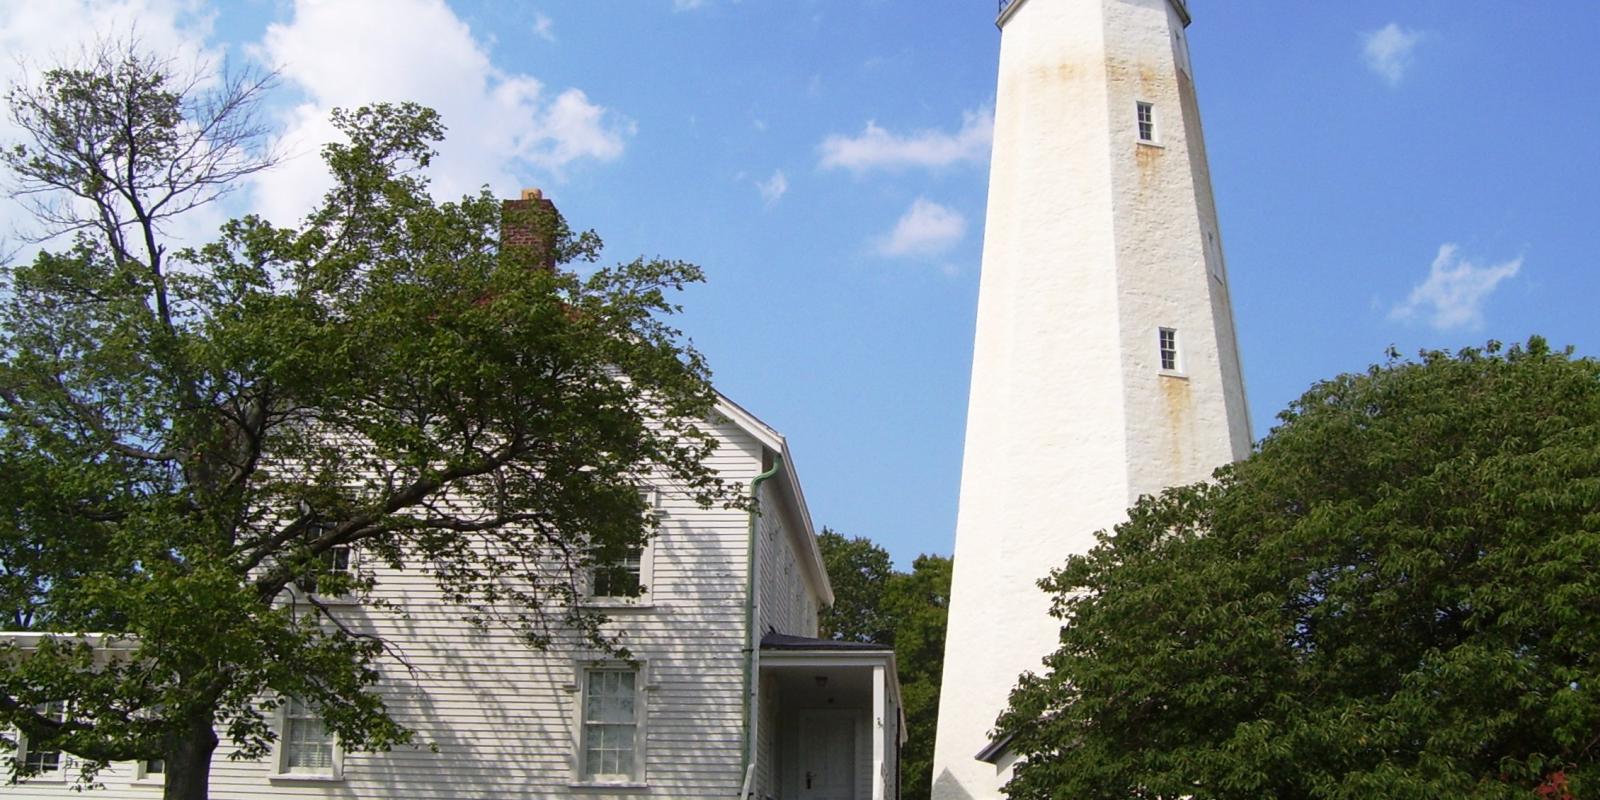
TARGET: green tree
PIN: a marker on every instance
(873, 602)
(187, 434)
(859, 571)
(916, 605)
(1394, 597)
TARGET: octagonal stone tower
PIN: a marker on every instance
(1105, 364)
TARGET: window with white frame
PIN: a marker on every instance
(305, 745)
(153, 770)
(609, 725)
(336, 560)
(1147, 121)
(626, 576)
(1167, 342)
(621, 577)
(38, 761)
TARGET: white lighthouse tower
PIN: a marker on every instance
(1105, 364)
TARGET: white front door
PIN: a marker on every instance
(827, 755)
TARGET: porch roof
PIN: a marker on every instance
(773, 640)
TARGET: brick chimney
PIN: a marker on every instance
(530, 224)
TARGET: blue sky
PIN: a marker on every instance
(1419, 175)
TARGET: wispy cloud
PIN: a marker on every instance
(1388, 51)
(687, 5)
(773, 189)
(503, 125)
(926, 229)
(878, 148)
(1453, 294)
(544, 27)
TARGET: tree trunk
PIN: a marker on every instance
(188, 762)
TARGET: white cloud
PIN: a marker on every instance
(500, 125)
(926, 229)
(544, 27)
(1454, 292)
(877, 148)
(1388, 51)
(37, 36)
(773, 189)
(43, 34)
(687, 5)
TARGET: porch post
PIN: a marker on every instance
(878, 683)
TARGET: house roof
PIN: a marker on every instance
(748, 422)
(996, 749)
(790, 479)
(773, 640)
(785, 650)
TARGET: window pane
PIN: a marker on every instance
(43, 760)
(40, 759)
(334, 561)
(307, 742)
(619, 578)
(610, 723)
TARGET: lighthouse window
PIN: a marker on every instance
(1147, 122)
(1167, 339)
(1214, 255)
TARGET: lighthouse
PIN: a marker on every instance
(1105, 364)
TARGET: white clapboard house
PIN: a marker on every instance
(710, 706)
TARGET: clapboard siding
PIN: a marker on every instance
(494, 719)
(767, 736)
(788, 604)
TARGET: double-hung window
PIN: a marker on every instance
(306, 748)
(1147, 121)
(625, 578)
(152, 770)
(609, 726)
(621, 577)
(39, 762)
(1167, 342)
(335, 561)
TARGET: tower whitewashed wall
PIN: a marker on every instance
(1095, 242)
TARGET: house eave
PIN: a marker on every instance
(28, 640)
(996, 750)
(769, 438)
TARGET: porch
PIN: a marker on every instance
(836, 724)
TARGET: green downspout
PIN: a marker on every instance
(750, 623)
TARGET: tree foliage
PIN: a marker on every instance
(916, 605)
(873, 602)
(188, 435)
(859, 571)
(1394, 597)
